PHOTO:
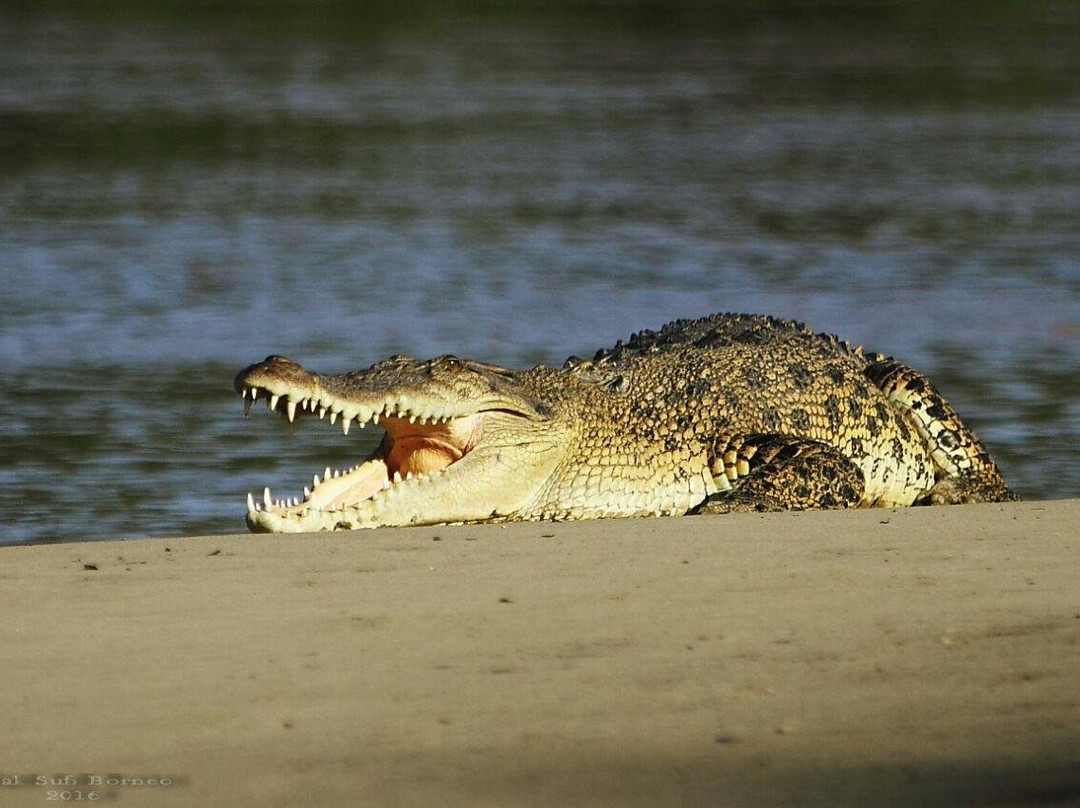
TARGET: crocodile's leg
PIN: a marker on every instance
(964, 471)
(781, 472)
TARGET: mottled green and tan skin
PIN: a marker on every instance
(726, 413)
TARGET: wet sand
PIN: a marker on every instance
(923, 656)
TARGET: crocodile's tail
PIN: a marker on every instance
(964, 470)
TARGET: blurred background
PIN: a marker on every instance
(186, 188)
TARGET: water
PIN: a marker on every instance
(180, 196)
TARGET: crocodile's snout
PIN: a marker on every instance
(273, 367)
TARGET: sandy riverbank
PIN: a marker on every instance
(925, 656)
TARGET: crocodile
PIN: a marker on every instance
(727, 413)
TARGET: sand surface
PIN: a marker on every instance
(924, 656)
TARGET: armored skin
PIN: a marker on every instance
(731, 412)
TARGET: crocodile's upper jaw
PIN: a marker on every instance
(435, 464)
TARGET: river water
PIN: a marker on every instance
(183, 195)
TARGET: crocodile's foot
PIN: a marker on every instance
(971, 488)
(781, 473)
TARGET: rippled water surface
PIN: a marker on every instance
(182, 195)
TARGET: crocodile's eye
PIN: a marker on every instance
(451, 363)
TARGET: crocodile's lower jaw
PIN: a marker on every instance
(270, 522)
(358, 498)
(461, 492)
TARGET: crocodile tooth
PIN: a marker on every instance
(345, 425)
(326, 473)
(397, 476)
(315, 481)
(274, 402)
(307, 492)
(322, 412)
(375, 418)
(412, 419)
(290, 410)
(254, 393)
(333, 416)
(408, 475)
(266, 498)
(251, 503)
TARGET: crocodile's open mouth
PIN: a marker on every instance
(418, 446)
